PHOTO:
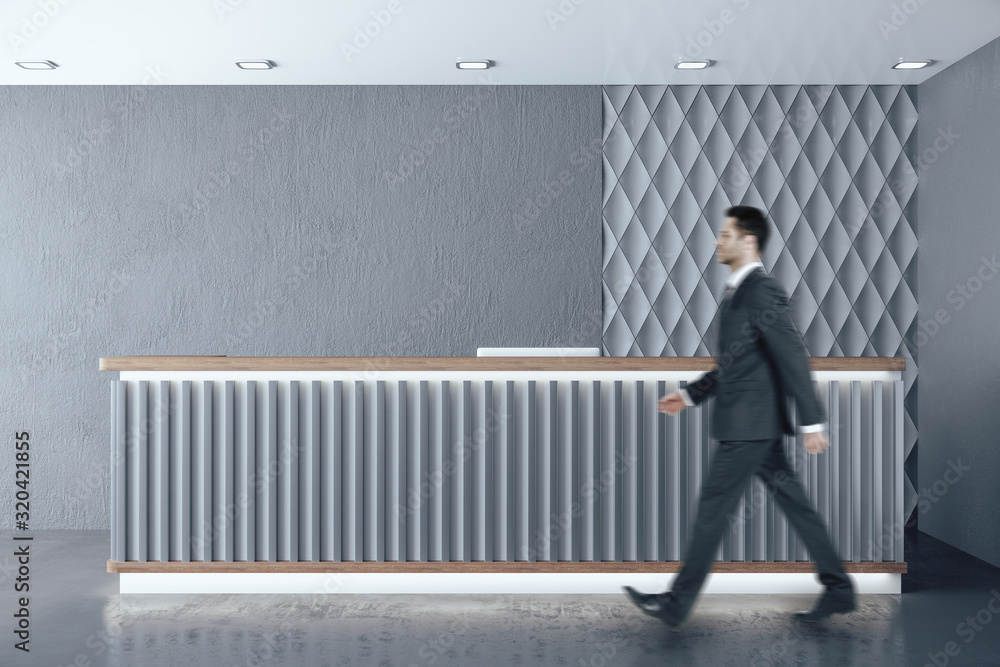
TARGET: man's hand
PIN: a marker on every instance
(672, 403)
(816, 442)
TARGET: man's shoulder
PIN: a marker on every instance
(766, 290)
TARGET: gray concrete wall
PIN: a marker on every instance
(959, 288)
(274, 221)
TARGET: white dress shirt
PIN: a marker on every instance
(733, 281)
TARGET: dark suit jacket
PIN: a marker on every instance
(761, 361)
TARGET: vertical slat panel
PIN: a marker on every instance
(688, 488)
(676, 488)
(180, 475)
(351, 489)
(887, 540)
(762, 528)
(201, 501)
(395, 480)
(508, 492)
(551, 526)
(374, 476)
(856, 480)
(616, 465)
(652, 508)
(349, 482)
(597, 554)
(119, 470)
(569, 445)
(656, 497)
(245, 465)
(309, 469)
(559, 430)
(627, 462)
(468, 484)
(846, 486)
(740, 544)
(898, 446)
(511, 497)
(448, 470)
(288, 473)
(415, 464)
(522, 470)
(423, 454)
(689, 443)
(435, 471)
(355, 469)
(638, 465)
(771, 512)
(534, 474)
(223, 474)
(332, 518)
(877, 449)
(866, 471)
(137, 511)
(542, 475)
(560, 467)
(585, 476)
(267, 474)
(833, 459)
(744, 514)
(159, 473)
(485, 514)
(705, 446)
(887, 525)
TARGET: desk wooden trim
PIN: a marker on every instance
(223, 363)
(522, 567)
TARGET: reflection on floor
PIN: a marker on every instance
(77, 618)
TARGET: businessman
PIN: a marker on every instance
(761, 361)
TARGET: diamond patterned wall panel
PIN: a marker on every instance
(833, 166)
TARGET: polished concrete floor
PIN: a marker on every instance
(77, 618)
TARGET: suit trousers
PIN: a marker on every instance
(733, 465)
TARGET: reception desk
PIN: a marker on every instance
(482, 474)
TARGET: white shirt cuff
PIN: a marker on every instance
(687, 397)
(812, 428)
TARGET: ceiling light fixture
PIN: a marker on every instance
(474, 64)
(912, 64)
(692, 64)
(255, 64)
(36, 64)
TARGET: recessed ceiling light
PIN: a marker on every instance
(912, 64)
(36, 64)
(255, 64)
(692, 64)
(474, 64)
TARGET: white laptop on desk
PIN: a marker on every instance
(538, 352)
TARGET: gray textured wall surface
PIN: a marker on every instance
(959, 279)
(831, 166)
(274, 221)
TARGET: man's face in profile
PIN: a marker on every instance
(728, 243)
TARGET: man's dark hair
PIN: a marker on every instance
(750, 220)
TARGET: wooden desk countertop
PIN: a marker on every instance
(224, 363)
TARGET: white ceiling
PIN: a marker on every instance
(531, 41)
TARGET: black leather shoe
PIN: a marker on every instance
(653, 605)
(827, 606)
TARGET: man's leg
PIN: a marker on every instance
(731, 468)
(790, 496)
